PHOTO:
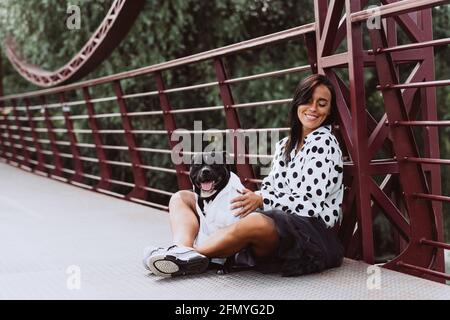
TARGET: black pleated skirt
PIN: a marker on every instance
(306, 246)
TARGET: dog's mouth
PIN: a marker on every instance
(207, 186)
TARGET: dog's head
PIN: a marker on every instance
(209, 173)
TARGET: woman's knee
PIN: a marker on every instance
(183, 197)
(255, 225)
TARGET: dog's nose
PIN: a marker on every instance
(206, 171)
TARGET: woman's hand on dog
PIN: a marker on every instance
(247, 203)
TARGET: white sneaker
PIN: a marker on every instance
(148, 251)
(175, 261)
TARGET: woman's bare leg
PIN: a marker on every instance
(183, 220)
(255, 230)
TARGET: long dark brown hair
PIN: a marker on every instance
(303, 94)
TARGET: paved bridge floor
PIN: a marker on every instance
(62, 242)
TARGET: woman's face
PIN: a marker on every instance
(313, 113)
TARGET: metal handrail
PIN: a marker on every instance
(424, 84)
(208, 55)
(394, 9)
(428, 160)
(442, 123)
(419, 45)
(424, 270)
(437, 244)
(433, 197)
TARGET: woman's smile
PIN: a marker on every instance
(311, 117)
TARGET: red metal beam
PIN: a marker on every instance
(105, 170)
(349, 214)
(39, 155)
(407, 23)
(25, 152)
(443, 123)
(311, 46)
(424, 44)
(390, 210)
(345, 118)
(433, 197)
(420, 270)
(77, 164)
(2, 104)
(140, 180)
(359, 126)
(330, 25)
(244, 170)
(395, 9)
(427, 160)
(412, 179)
(52, 137)
(381, 133)
(170, 125)
(2, 139)
(436, 244)
(423, 84)
(10, 139)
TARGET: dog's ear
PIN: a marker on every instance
(191, 172)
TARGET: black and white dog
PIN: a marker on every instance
(215, 185)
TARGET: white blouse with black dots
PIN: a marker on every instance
(310, 184)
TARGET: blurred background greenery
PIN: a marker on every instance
(166, 30)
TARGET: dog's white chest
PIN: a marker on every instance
(217, 214)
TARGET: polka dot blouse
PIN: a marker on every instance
(310, 184)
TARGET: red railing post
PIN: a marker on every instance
(170, 125)
(39, 155)
(311, 46)
(431, 135)
(244, 170)
(2, 139)
(52, 137)
(412, 178)
(4, 136)
(77, 164)
(25, 152)
(138, 172)
(12, 148)
(105, 170)
(2, 104)
(359, 130)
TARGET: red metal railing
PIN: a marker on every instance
(103, 182)
(404, 196)
(411, 173)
